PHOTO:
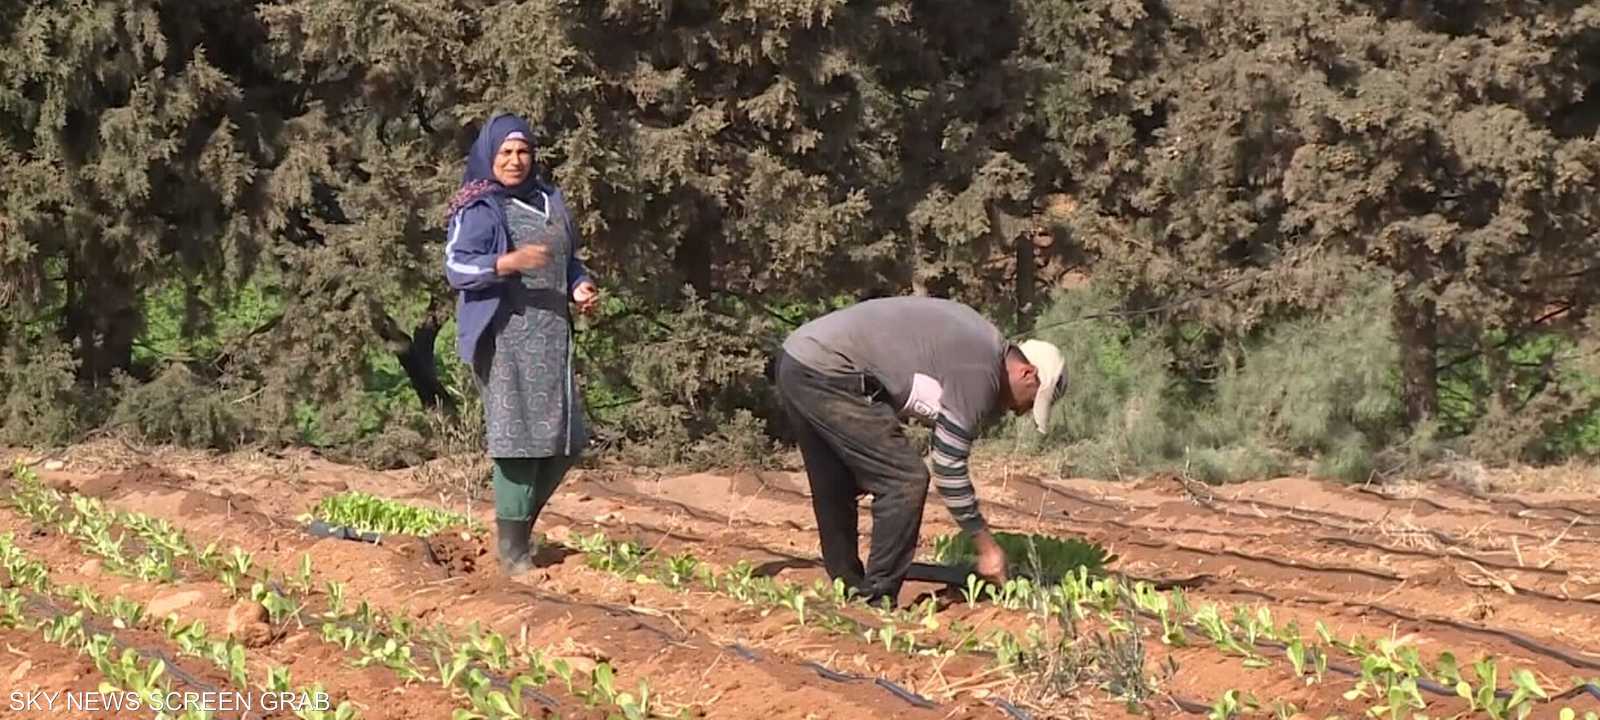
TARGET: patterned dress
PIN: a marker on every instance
(524, 366)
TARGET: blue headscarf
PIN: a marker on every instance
(478, 182)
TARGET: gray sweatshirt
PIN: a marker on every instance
(941, 363)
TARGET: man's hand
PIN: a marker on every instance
(991, 559)
(526, 257)
(587, 296)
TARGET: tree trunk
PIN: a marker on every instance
(103, 320)
(416, 356)
(919, 281)
(692, 260)
(1416, 326)
(692, 257)
(1025, 292)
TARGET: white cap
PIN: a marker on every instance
(1052, 378)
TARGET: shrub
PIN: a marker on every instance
(1120, 413)
(181, 408)
(1318, 391)
(39, 397)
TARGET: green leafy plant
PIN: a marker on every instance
(1231, 705)
(1045, 558)
(370, 513)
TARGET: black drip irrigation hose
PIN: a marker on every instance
(1334, 521)
(1347, 523)
(904, 694)
(1517, 639)
(1354, 542)
(1313, 567)
(1431, 686)
(173, 668)
(821, 670)
(323, 529)
(1189, 706)
(1211, 505)
(702, 515)
(1348, 671)
(495, 679)
(829, 674)
(947, 575)
(1430, 502)
(1015, 712)
(1577, 517)
(1042, 487)
(1325, 569)
(937, 574)
(1592, 689)
(916, 700)
(909, 697)
(1577, 520)
(1521, 641)
(1458, 554)
(922, 571)
(954, 576)
(691, 511)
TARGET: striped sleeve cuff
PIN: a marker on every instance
(951, 446)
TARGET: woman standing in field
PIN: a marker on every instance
(511, 256)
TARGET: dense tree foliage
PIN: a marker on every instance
(222, 220)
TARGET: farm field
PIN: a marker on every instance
(700, 596)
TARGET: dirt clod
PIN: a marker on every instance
(243, 613)
(455, 555)
(90, 567)
(255, 635)
(143, 476)
(247, 622)
(172, 602)
(558, 533)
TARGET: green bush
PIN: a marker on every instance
(180, 408)
(1120, 414)
(40, 401)
(1531, 398)
(1318, 392)
(1323, 388)
(681, 387)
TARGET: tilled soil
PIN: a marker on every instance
(1513, 578)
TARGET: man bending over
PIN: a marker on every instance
(848, 378)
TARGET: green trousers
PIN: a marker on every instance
(522, 486)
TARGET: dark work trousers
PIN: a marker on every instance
(854, 444)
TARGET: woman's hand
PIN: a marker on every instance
(587, 296)
(523, 258)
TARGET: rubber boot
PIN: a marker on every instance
(515, 557)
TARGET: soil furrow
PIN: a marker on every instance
(1188, 561)
(396, 583)
(374, 690)
(41, 676)
(1445, 573)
